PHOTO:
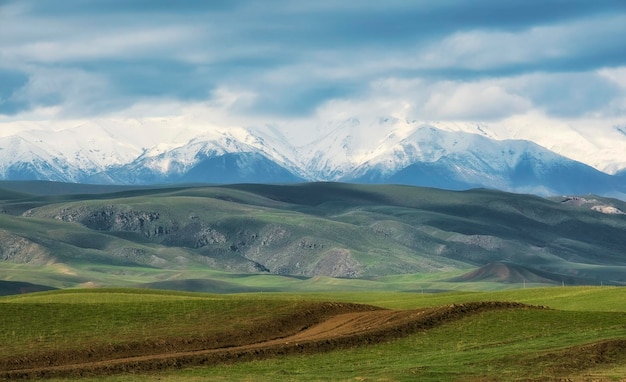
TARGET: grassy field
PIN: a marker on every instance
(582, 336)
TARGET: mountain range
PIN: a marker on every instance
(386, 150)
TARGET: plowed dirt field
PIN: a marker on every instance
(335, 329)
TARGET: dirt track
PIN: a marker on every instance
(337, 331)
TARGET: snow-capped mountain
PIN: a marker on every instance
(74, 153)
(459, 160)
(218, 157)
(385, 150)
(348, 144)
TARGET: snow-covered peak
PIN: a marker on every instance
(350, 143)
(88, 150)
(601, 147)
(427, 144)
(16, 148)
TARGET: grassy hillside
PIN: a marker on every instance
(223, 238)
(580, 337)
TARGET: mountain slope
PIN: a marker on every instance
(220, 156)
(314, 229)
(458, 160)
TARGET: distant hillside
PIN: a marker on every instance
(504, 272)
(17, 287)
(38, 187)
(312, 229)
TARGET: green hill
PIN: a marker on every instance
(369, 234)
(540, 334)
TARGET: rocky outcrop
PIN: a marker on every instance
(595, 204)
(209, 236)
(117, 218)
(337, 263)
(17, 249)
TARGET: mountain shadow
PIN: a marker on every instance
(17, 287)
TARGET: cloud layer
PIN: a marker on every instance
(279, 60)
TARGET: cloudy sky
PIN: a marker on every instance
(276, 61)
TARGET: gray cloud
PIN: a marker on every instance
(570, 94)
(293, 57)
(12, 81)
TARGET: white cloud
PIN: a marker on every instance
(544, 47)
(473, 101)
(55, 42)
(617, 75)
(75, 89)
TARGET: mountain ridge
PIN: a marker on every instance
(388, 150)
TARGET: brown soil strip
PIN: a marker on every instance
(340, 330)
(295, 322)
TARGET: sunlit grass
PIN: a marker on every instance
(93, 318)
(506, 345)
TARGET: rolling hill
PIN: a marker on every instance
(121, 334)
(504, 272)
(290, 233)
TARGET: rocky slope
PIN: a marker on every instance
(323, 229)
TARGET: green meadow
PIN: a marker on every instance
(581, 337)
